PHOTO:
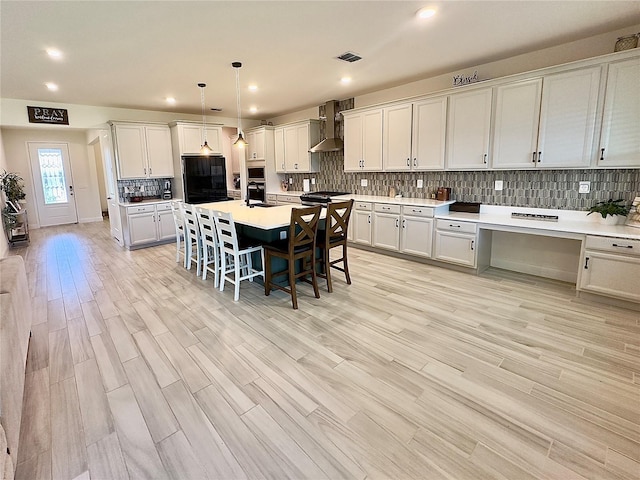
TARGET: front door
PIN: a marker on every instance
(52, 183)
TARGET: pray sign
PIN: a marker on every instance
(56, 116)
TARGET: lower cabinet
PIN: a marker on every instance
(456, 242)
(386, 226)
(416, 233)
(361, 221)
(611, 267)
(288, 199)
(148, 224)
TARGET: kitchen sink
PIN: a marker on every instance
(262, 205)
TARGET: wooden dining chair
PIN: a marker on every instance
(192, 240)
(300, 247)
(332, 236)
(178, 220)
(236, 263)
(210, 245)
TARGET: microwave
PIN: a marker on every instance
(255, 174)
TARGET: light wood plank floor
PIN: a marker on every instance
(138, 369)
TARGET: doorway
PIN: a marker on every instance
(52, 183)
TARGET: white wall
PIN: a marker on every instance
(85, 181)
(4, 245)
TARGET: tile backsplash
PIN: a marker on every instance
(153, 187)
(521, 188)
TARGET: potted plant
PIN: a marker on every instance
(610, 210)
(12, 185)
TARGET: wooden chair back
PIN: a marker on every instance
(337, 221)
(304, 227)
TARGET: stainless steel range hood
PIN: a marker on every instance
(332, 143)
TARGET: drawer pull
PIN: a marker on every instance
(621, 246)
(455, 226)
(586, 263)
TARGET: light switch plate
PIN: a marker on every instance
(420, 183)
(584, 187)
(313, 181)
(290, 180)
(283, 235)
(364, 182)
(499, 184)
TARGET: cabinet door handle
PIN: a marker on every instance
(369, 218)
(621, 246)
(404, 223)
(472, 244)
(601, 154)
(71, 190)
(484, 158)
(415, 162)
(539, 157)
(150, 173)
(586, 263)
(145, 170)
(408, 162)
(397, 223)
(534, 157)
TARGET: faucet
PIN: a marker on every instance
(249, 185)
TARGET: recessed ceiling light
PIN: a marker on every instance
(171, 100)
(345, 80)
(253, 88)
(426, 12)
(51, 86)
(54, 53)
(253, 109)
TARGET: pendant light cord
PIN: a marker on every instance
(204, 124)
(238, 100)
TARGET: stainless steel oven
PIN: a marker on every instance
(256, 191)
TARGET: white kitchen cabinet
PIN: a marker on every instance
(456, 242)
(468, 129)
(142, 151)
(568, 119)
(363, 141)
(188, 137)
(362, 221)
(278, 135)
(620, 137)
(396, 137)
(386, 226)
(292, 144)
(429, 134)
(148, 224)
(261, 146)
(611, 267)
(517, 115)
(288, 199)
(416, 232)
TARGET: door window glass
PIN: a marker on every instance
(52, 175)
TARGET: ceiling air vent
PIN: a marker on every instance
(349, 57)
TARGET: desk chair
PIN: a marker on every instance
(335, 235)
(301, 245)
(234, 258)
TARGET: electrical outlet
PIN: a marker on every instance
(283, 235)
(313, 180)
(420, 183)
(364, 182)
(584, 187)
(290, 180)
(499, 184)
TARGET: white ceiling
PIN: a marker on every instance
(135, 54)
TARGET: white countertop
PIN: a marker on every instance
(150, 201)
(413, 202)
(295, 193)
(571, 223)
(269, 218)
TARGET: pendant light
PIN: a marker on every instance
(205, 149)
(240, 142)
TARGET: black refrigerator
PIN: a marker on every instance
(205, 178)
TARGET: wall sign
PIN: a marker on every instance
(56, 116)
(464, 79)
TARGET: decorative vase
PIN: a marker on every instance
(610, 220)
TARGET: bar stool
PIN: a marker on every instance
(334, 235)
(210, 244)
(301, 245)
(235, 258)
(178, 220)
(193, 242)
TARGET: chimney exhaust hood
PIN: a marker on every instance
(332, 143)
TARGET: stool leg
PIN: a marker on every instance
(267, 274)
(345, 263)
(292, 283)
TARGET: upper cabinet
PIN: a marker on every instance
(292, 144)
(568, 119)
(546, 122)
(620, 138)
(189, 137)
(363, 141)
(468, 129)
(142, 150)
(261, 147)
(396, 137)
